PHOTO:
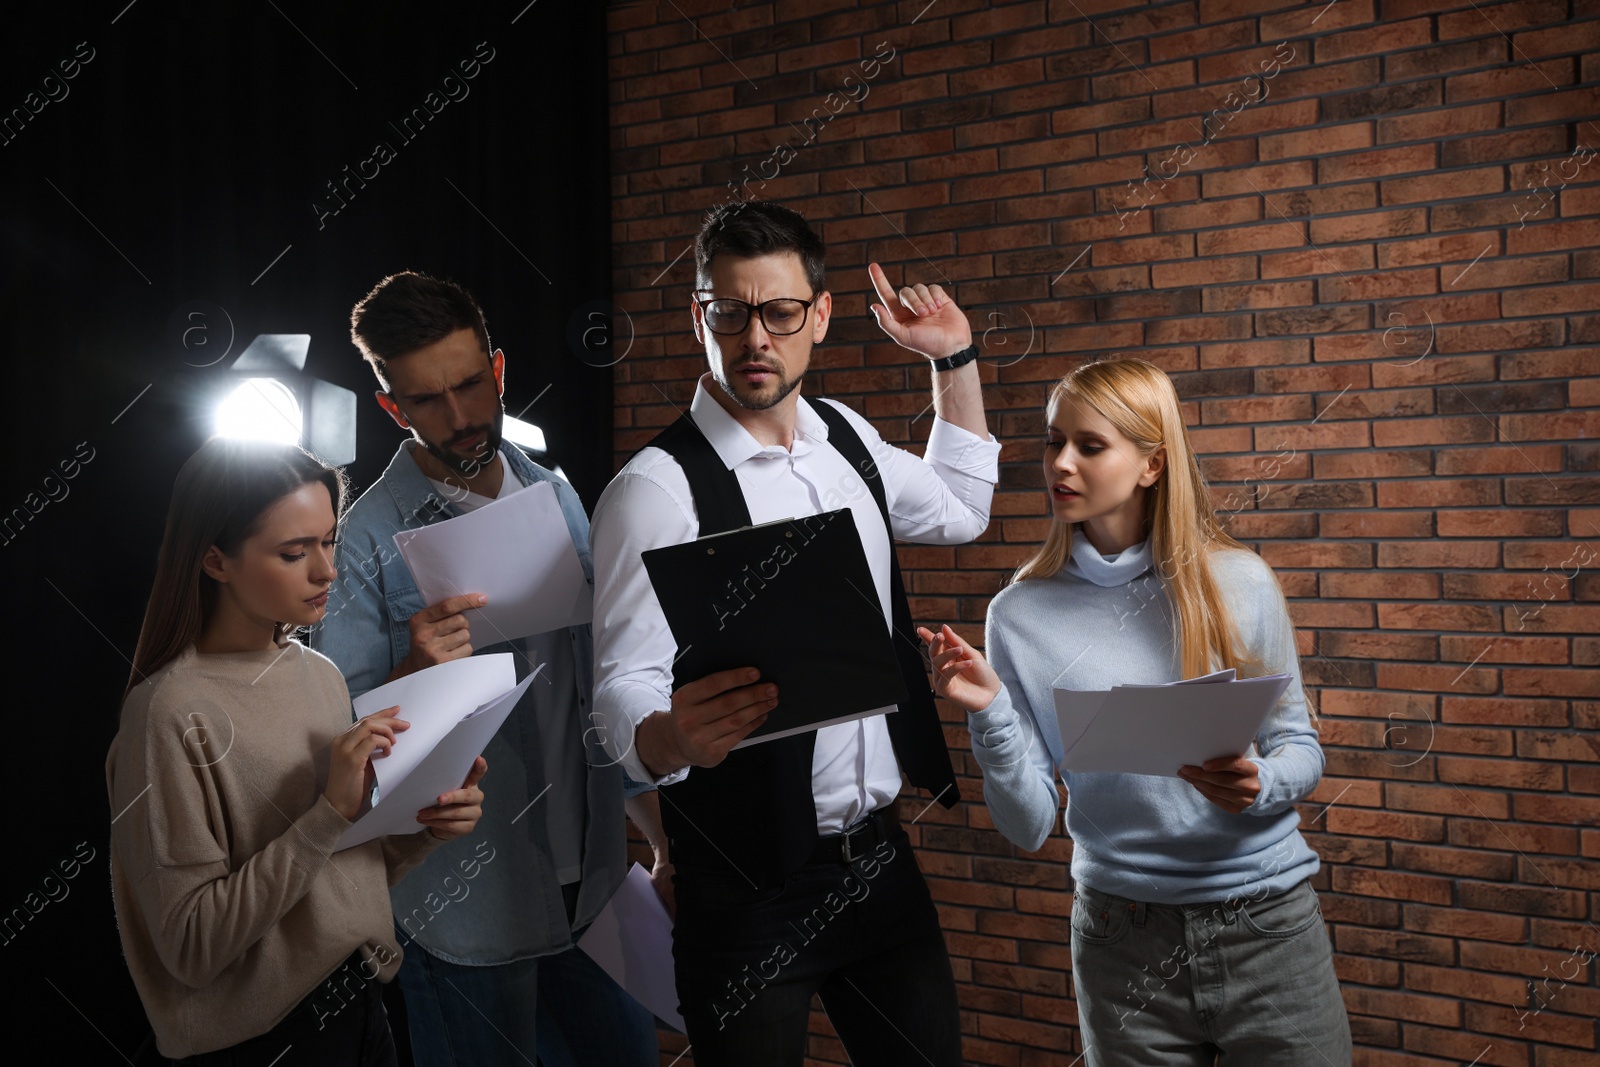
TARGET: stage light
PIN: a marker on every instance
(262, 409)
(531, 438)
(275, 398)
(525, 434)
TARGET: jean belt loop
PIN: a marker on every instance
(1139, 909)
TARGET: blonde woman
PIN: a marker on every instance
(234, 772)
(1196, 937)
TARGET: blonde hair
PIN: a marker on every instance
(1139, 400)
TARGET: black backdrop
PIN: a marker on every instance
(177, 171)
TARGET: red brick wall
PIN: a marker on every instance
(1377, 286)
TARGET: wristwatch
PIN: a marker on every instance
(960, 359)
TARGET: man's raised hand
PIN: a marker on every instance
(919, 317)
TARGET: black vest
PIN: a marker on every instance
(754, 811)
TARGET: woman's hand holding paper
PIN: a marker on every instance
(458, 811)
(1230, 782)
(350, 764)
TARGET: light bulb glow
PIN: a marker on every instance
(260, 409)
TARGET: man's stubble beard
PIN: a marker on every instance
(785, 387)
(470, 468)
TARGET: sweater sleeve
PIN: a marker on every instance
(1289, 755)
(404, 853)
(201, 914)
(1019, 780)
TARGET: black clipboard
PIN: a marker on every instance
(793, 598)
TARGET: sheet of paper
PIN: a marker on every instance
(747, 742)
(1157, 729)
(1225, 675)
(443, 768)
(631, 940)
(1075, 710)
(433, 701)
(518, 551)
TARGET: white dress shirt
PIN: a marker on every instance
(942, 499)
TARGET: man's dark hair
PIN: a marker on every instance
(757, 228)
(408, 311)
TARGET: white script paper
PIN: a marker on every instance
(631, 940)
(452, 709)
(1155, 729)
(517, 551)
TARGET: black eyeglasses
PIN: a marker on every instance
(781, 317)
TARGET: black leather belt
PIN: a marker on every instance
(858, 840)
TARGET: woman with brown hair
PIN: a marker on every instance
(234, 772)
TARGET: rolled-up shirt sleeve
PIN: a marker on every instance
(633, 646)
(942, 498)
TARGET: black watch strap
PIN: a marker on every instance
(960, 359)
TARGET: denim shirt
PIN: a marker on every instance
(492, 896)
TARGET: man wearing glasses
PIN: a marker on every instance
(793, 877)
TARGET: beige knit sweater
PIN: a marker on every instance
(231, 902)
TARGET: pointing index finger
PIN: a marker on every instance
(880, 283)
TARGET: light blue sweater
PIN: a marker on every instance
(1106, 621)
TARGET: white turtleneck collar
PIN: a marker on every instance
(1119, 568)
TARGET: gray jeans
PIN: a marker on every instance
(1245, 983)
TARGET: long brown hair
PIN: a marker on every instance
(1139, 400)
(221, 494)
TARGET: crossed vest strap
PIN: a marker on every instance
(755, 811)
(918, 738)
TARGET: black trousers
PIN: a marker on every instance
(341, 1023)
(863, 935)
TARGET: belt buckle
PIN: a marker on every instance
(844, 840)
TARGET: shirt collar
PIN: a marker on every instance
(733, 443)
(415, 495)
